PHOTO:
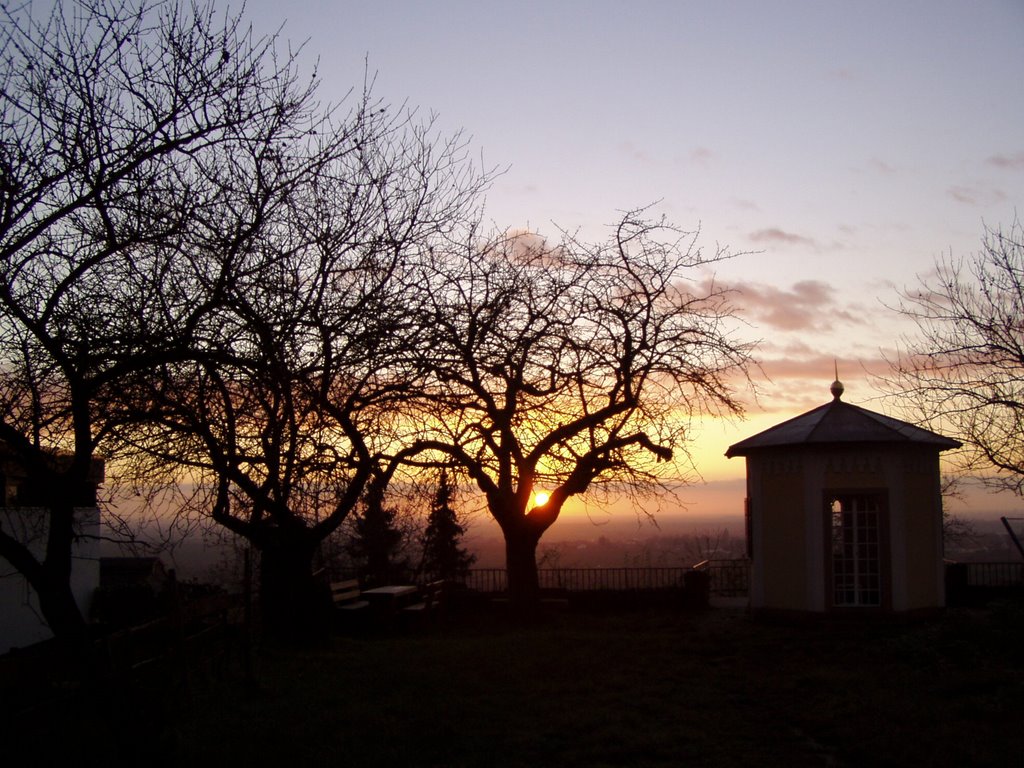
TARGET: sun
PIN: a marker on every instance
(541, 498)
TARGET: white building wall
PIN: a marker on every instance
(21, 622)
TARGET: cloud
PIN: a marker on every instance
(881, 166)
(635, 153)
(776, 235)
(701, 156)
(808, 304)
(797, 378)
(962, 195)
(1011, 162)
(800, 361)
(526, 247)
(976, 195)
(746, 205)
(842, 74)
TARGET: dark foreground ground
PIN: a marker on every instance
(656, 687)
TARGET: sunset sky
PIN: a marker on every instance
(845, 146)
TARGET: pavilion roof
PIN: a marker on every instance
(839, 423)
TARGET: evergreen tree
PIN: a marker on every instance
(377, 542)
(443, 556)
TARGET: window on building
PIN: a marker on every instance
(856, 550)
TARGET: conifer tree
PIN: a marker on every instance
(443, 555)
(377, 542)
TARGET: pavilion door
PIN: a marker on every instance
(857, 550)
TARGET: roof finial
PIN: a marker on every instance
(837, 387)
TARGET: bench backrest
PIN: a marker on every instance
(433, 593)
(345, 591)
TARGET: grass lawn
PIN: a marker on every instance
(643, 688)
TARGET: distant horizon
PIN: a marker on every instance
(195, 559)
(702, 508)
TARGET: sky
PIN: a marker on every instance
(838, 148)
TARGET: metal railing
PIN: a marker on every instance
(728, 578)
(1009, 574)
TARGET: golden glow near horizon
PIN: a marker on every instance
(826, 230)
(541, 498)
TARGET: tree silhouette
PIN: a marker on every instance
(568, 367)
(200, 275)
(377, 543)
(443, 554)
(963, 371)
(282, 413)
(122, 127)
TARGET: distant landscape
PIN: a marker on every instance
(612, 541)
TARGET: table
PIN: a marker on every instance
(392, 592)
(392, 598)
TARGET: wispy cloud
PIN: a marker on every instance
(842, 73)
(746, 205)
(974, 194)
(798, 377)
(701, 156)
(800, 361)
(776, 235)
(808, 304)
(881, 166)
(635, 153)
(1011, 162)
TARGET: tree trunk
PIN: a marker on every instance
(521, 567)
(293, 602)
(59, 608)
(50, 577)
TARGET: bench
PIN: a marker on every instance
(430, 602)
(346, 596)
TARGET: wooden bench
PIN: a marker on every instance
(431, 601)
(346, 596)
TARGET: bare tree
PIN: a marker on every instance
(297, 364)
(121, 126)
(963, 371)
(559, 369)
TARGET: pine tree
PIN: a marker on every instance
(377, 542)
(443, 556)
